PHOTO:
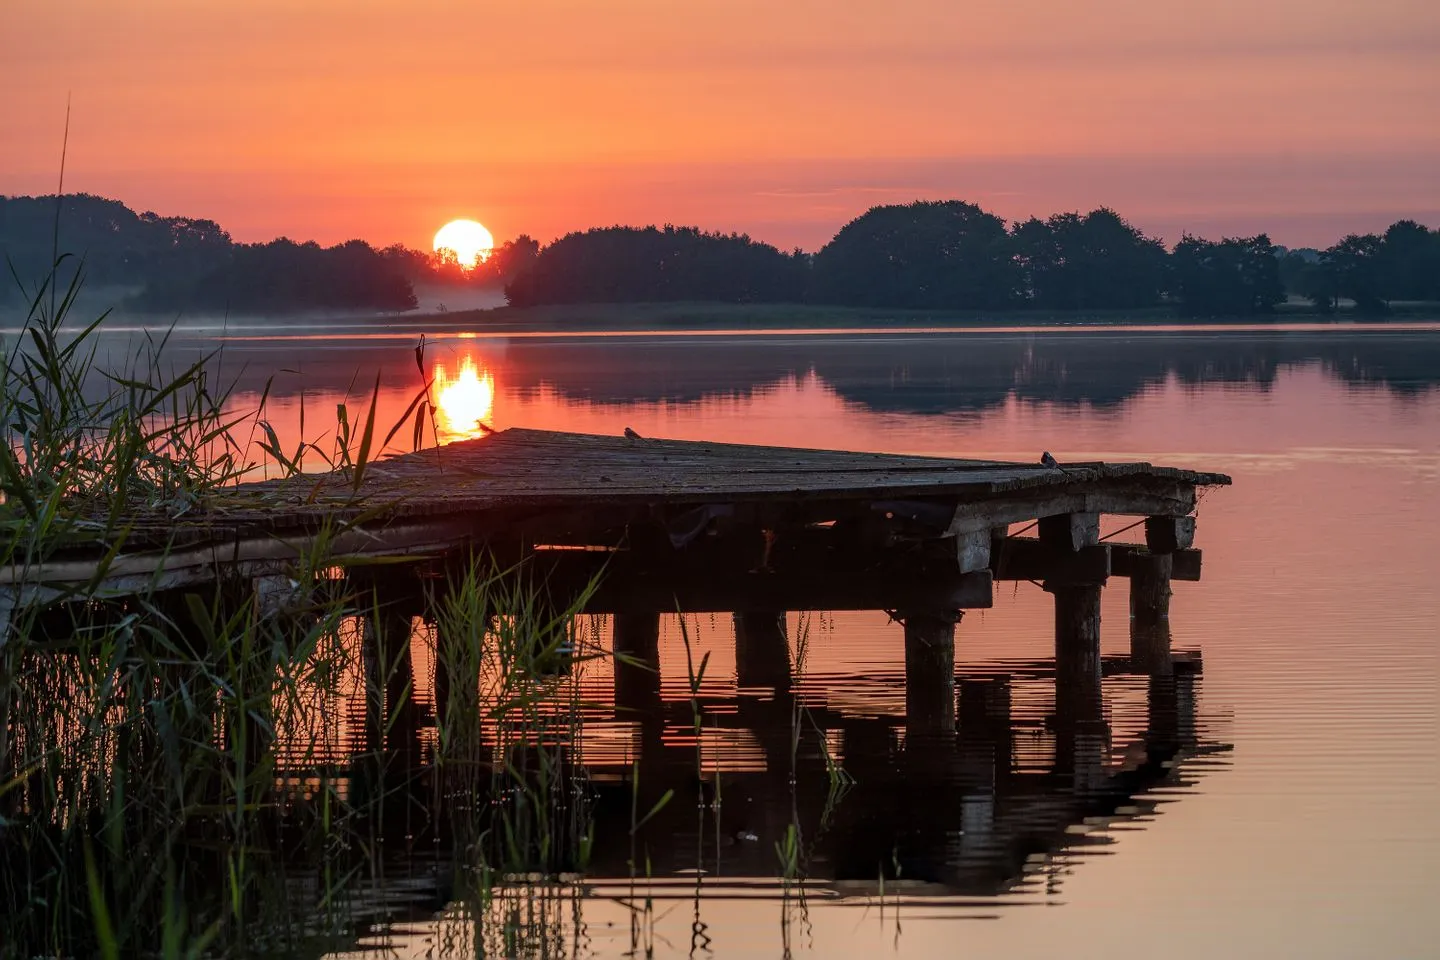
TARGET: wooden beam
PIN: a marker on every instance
(1172, 499)
(1168, 534)
(723, 593)
(1025, 558)
(1184, 564)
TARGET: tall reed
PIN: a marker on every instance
(173, 776)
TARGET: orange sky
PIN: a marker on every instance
(381, 120)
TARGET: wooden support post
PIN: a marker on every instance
(929, 673)
(1150, 648)
(390, 680)
(637, 683)
(1077, 651)
(1081, 736)
(442, 659)
(762, 651)
(1077, 620)
(1150, 588)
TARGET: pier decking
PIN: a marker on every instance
(711, 512)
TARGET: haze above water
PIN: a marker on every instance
(1318, 835)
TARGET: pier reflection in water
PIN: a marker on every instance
(791, 779)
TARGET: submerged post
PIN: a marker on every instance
(393, 675)
(929, 671)
(1077, 650)
(1080, 734)
(1150, 575)
(1077, 617)
(985, 755)
(636, 643)
(1150, 648)
(762, 651)
(1150, 588)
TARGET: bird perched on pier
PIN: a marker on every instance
(1047, 460)
(632, 435)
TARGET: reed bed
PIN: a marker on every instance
(238, 771)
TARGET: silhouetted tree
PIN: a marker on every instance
(945, 255)
(286, 277)
(512, 258)
(630, 265)
(1237, 276)
(1098, 261)
(924, 255)
(1303, 275)
(1356, 271)
(116, 245)
(1410, 262)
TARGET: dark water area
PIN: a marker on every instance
(1271, 791)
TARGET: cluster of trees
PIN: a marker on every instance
(283, 276)
(121, 247)
(175, 264)
(1371, 269)
(629, 265)
(951, 255)
(939, 255)
(444, 269)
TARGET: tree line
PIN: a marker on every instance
(927, 255)
(952, 255)
(177, 264)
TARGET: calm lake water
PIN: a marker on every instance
(1303, 818)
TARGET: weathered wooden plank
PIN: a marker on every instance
(982, 514)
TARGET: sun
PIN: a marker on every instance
(468, 240)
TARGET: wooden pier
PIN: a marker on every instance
(737, 514)
(677, 526)
(668, 525)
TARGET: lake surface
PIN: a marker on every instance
(1304, 816)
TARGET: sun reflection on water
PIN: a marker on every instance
(464, 401)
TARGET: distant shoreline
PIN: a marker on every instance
(676, 317)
